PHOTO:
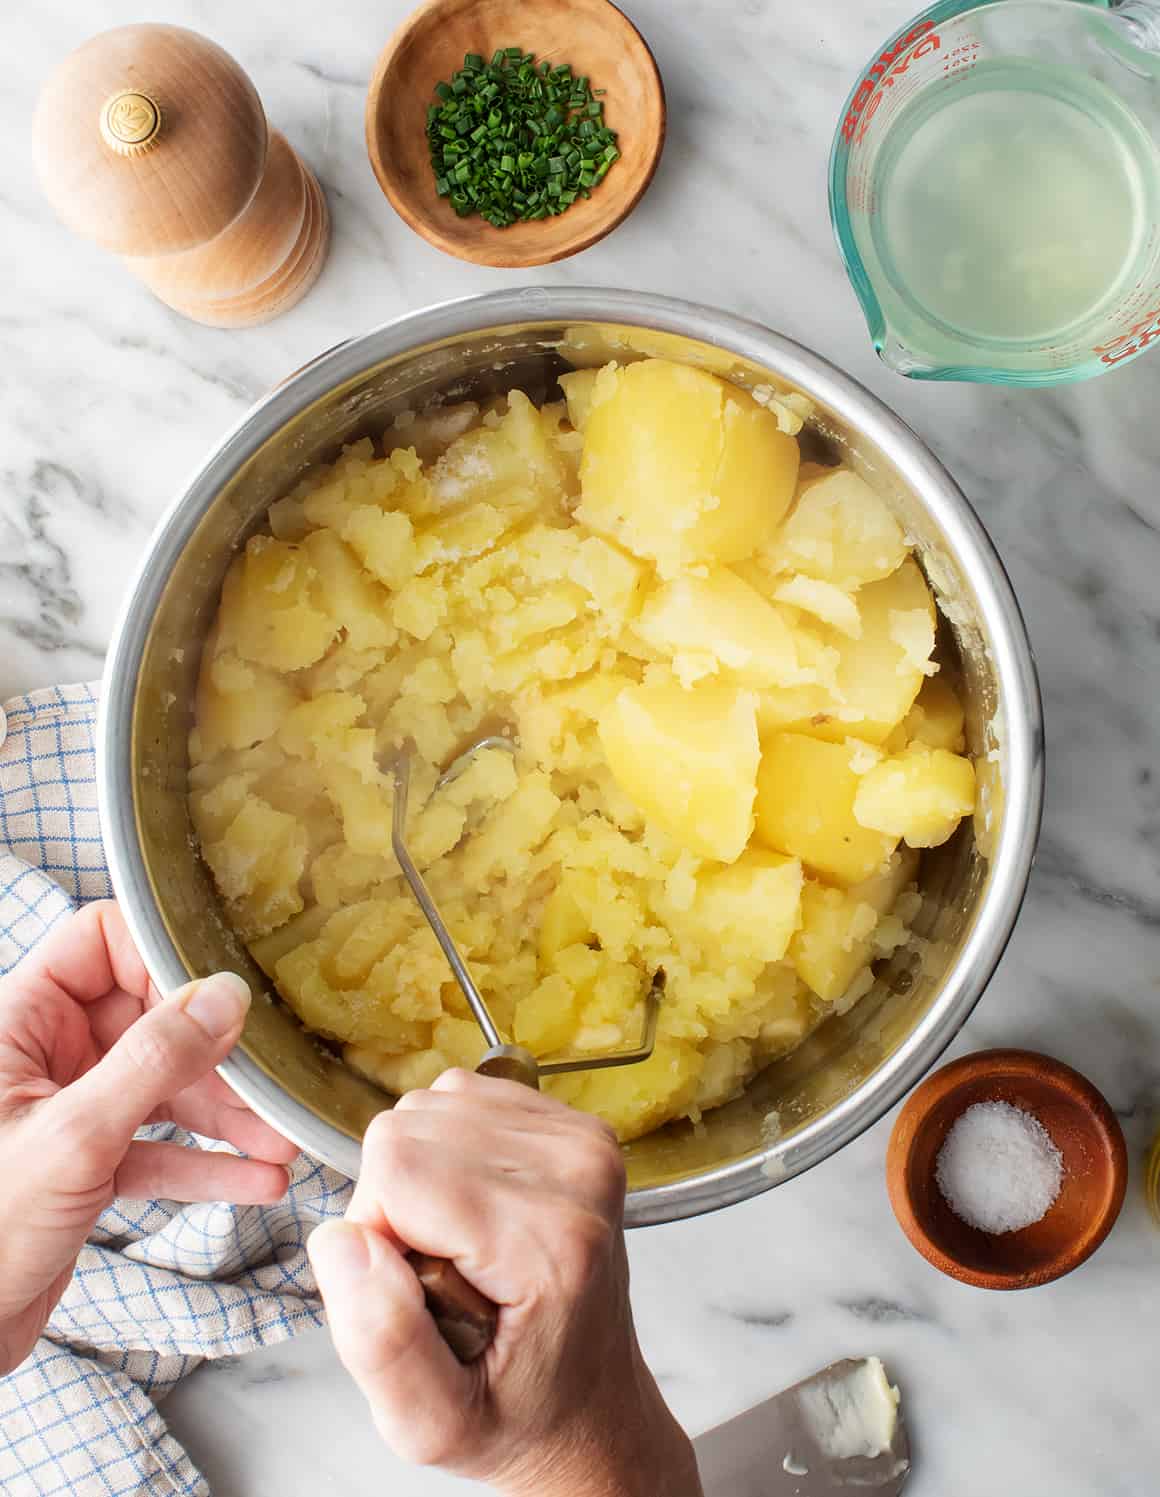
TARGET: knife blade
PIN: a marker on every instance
(834, 1434)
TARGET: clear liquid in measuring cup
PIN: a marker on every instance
(1014, 203)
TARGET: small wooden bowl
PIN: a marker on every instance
(594, 37)
(1081, 1125)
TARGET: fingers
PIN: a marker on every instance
(173, 1172)
(158, 1057)
(210, 1108)
(494, 1135)
(492, 1091)
(422, 1399)
(505, 1104)
(450, 1207)
(440, 1107)
(461, 1183)
(89, 954)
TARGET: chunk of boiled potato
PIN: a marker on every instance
(272, 609)
(920, 796)
(805, 808)
(430, 432)
(724, 616)
(460, 1040)
(383, 540)
(546, 1018)
(349, 1014)
(269, 950)
(835, 940)
(358, 936)
(786, 1011)
(823, 600)
(936, 718)
(511, 464)
(567, 915)
(354, 599)
(459, 535)
(800, 709)
(556, 725)
(866, 684)
(840, 531)
(803, 707)
(611, 577)
(509, 832)
(881, 889)
(239, 703)
(325, 730)
(681, 467)
(356, 477)
(579, 388)
(636, 1099)
(257, 865)
(751, 906)
(396, 1073)
(880, 673)
(688, 759)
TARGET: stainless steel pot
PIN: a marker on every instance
(850, 1071)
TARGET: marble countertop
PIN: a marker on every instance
(109, 400)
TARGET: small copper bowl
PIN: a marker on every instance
(1083, 1128)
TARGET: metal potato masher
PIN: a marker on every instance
(466, 1318)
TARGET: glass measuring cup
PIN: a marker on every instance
(995, 190)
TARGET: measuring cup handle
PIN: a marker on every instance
(465, 1318)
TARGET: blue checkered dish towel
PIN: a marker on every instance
(159, 1287)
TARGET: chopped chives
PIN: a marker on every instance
(514, 139)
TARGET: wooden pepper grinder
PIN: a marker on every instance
(152, 141)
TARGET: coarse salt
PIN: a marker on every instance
(998, 1169)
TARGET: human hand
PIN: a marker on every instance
(526, 1197)
(89, 1052)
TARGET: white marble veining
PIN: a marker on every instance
(109, 400)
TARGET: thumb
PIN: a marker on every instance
(420, 1396)
(166, 1050)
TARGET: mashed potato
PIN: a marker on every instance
(715, 665)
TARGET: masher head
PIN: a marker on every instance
(511, 1061)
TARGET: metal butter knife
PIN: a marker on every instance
(837, 1433)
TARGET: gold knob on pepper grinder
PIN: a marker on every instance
(130, 122)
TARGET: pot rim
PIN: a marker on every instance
(1010, 864)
